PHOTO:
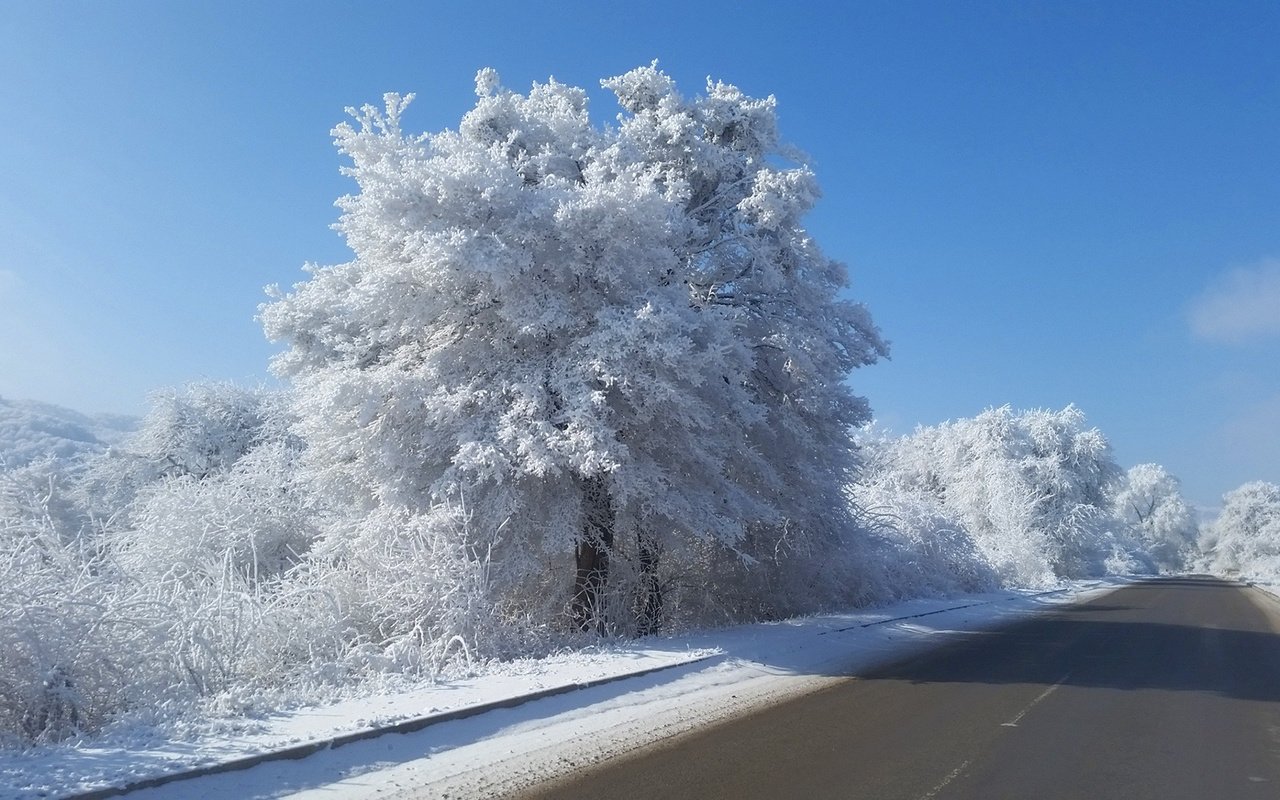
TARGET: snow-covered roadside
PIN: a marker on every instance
(1270, 587)
(700, 678)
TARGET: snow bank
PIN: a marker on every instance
(708, 676)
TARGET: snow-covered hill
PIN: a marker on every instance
(30, 430)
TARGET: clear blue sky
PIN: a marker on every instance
(1041, 202)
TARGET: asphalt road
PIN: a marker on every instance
(1167, 689)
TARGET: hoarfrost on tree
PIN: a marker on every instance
(617, 342)
(1033, 489)
(1149, 499)
(1245, 537)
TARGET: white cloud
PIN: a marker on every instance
(1241, 306)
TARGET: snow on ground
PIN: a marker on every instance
(688, 681)
(1271, 587)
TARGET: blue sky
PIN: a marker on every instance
(1041, 203)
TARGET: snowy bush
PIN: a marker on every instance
(253, 518)
(38, 498)
(157, 568)
(96, 625)
(924, 547)
(416, 591)
(76, 645)
(203, 428)
(196, 431)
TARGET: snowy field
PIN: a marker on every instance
(688, 681)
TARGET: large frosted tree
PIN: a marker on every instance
(617, 342)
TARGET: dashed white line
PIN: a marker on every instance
(955, 773)
(1013, 723)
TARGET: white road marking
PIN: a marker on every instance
(1013, 723)
(955, 773)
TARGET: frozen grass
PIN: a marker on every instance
(148, 590)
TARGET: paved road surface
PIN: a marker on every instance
(1167, 689)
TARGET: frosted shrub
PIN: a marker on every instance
(37, 498)
(162, 567)
(418, 592)
(73, 654)
(770, 573)
(230, 637)
(194, 432)
(204, 428)
(926, 549)
(253, 519)
(76, 645)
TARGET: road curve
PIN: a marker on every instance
(1165, 689)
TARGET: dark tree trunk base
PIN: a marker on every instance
(650, 588)
(591, 556)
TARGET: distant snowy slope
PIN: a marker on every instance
(30, 430)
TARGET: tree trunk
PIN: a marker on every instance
(591, 555)
(650, 588)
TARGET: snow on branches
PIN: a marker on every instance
(1150, 500)
(616, 342)
(1035, 491)
(1245, 537)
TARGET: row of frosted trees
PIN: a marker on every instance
(201, 558)
(575, 381)
(1036, 496)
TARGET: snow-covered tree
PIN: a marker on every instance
(1245, 537)
(619, 343)
(1031, 488)
(1150, 501)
